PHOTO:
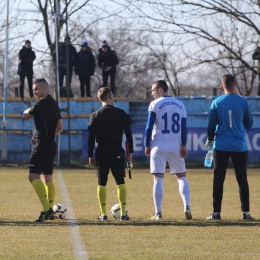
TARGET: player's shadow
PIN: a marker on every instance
(81, 222)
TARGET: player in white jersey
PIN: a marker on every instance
(165, 138)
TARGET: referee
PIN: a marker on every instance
(228, 118)
(106, 127)
(48, 124)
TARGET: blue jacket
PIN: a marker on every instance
(85, 63)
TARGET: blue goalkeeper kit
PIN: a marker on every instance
(225, 122)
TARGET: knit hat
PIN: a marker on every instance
(67, 38)
(84, 44)
(27, 41)
(104, 43)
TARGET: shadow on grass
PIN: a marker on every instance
(187, 223)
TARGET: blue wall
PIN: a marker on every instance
(20, 132)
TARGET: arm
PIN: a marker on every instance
(212, 123)
(26, 114)
(91, 145)
(248, 119)
(183, 150)
(59, 127)
(148, 131)
(129, 140)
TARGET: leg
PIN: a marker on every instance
(240, 166)
(102, 173)
(184, 189)
(29, 80)
(157, 168)
(105, 78)
(88, 87)
(50, 189)
(112, 81)
(82, 83)
(158, 192)
(220, 166)
(117, 161)
(21, 87)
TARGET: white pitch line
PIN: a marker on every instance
(79, 248)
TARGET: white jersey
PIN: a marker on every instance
(166, 132)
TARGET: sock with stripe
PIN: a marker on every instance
(50, 189)
(122, 195)
(41, 192)
(102, 198)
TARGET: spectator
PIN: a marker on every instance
(85, 68)
(107, 61)
(25, 67)
(72, 53)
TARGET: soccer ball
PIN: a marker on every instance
(115, 211)
(60, 211)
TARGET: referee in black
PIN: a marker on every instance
(106, 127)
(48, 124)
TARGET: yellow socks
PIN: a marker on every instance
(102, 198)
(121, 194)
(50, 189)
(41, 192)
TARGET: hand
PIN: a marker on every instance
(129, 157)
(33, 140)
(183, 151)
(107, 69)
(147, 151)
(209, 144)
(92, 161)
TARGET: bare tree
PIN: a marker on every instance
(208, 28)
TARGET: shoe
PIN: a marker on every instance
(45, 215)
(187, 213)
(102, 218)
(51, 217)
(247, 216)
(214, 216)
(157, 216)
(124, 218)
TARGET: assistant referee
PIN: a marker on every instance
(48, 124)
(106, 127)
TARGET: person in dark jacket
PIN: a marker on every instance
(25, 67)
(85, 68)
(62, 65)
(107, 61)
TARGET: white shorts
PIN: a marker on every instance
(158, 161)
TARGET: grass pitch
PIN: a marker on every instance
(140, 238)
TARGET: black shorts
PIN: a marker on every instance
(110, 157)
(42, 155)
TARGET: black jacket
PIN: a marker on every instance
(63, 57)
(26, 58)
(85, 63)
(107, 59)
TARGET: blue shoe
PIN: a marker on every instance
(124, 218)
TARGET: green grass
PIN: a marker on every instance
(140, 238)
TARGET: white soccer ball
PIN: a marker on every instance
(115, 211)
(60, 211)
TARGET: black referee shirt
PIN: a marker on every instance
(106, 126)
(46, 116)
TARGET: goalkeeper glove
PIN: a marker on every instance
(209, 144)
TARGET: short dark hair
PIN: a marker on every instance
(161, 84)
(104, 93)
(228, 80)
(38, 80)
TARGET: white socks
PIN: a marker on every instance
(184, 189)
(158, 193)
